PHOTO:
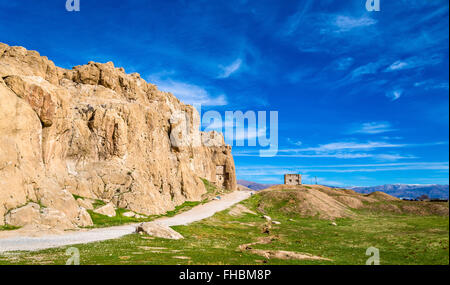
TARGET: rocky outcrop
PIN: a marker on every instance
(85, 203)
(99, 133)
(32, 213)
(107, 210)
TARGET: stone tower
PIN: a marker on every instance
(293, 179)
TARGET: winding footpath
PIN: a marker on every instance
(200, 212)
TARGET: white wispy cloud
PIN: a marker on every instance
(378, 157)
(344, 63)
(295, 20)
(394, 94)
(346, 23)
(397, 65)
(340, 150)
(441, 9)
(414, 62)
(424, 165)
(293, 142)
(188, 93)
(432, 84)
(267, 170)
(372, 128)
(346, 150)
(338, 146)
(392, 157)
(315, 31)
(392, 138)
(227, 71)
(369, 68)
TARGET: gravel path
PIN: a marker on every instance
(23, 243)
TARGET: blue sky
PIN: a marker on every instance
(362, 97)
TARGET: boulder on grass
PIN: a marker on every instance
(269, 219)
(158, 230)
(107, 210)
(55, 219)
(129, 214)
(84, 219)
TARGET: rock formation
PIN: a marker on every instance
(158, 230)
(99, 133)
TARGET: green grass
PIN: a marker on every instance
(8, 228)
(211, 189)
(401, 239)
(76, 197)
(98, 203)
(183, 207)
(101, 221)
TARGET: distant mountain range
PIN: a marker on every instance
(405, 191)
(408, 191)
(253, 185)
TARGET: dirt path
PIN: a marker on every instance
(28, 243)
(206, 210)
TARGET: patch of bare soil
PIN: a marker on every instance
(243, 224)
(277, 254)
(351, 202)
(239, 210)
(282, 254)
(334, 191)
(381, 196)
(261, 240)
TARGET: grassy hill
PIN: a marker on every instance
(330, 203)
(310, 225)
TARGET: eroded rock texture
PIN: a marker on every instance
(100, 133)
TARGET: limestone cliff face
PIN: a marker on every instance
(97, 132)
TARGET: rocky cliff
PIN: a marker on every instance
(97, 132)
